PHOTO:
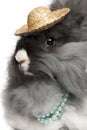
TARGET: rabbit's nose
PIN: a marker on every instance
(23, 59)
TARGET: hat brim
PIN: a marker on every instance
(54, 18)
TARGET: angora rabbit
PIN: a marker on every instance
(46, 65)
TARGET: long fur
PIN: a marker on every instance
(55, 69)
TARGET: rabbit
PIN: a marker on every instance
(43, 66)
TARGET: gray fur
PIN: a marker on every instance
(55, 69)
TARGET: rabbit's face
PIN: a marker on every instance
(34, 53)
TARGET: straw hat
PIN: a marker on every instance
(41, 18)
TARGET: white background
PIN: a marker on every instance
(13, 14)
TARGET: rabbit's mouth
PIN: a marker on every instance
(23, 61)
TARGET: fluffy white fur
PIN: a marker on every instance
(72, 118)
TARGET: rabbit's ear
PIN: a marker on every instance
(57, 4)
(78, 9)
(76, 20)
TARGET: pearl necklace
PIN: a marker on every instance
(56, 113)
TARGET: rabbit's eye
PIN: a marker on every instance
(50, 41)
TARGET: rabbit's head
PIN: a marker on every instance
(58, 52)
